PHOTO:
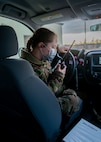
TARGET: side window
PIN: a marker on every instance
(22, 31)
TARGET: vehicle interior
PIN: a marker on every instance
(29, 109)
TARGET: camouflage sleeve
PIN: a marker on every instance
(41, 74)
(55, 82)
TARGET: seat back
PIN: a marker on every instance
(29, 109)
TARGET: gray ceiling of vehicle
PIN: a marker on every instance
(40, 12)
(86, 9)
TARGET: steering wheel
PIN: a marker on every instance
(71, 64)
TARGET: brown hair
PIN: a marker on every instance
(41, 35)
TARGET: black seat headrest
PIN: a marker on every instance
(8, 42)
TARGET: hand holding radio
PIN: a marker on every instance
(60, 69)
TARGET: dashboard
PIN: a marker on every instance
(86, 67)
(92, 66)
(84, 71)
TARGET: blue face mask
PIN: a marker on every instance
(50, 57)
(52, 54)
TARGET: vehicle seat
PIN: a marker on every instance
(29, 111)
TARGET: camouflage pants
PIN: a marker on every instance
(69, 102)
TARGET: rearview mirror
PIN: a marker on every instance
(96, 27)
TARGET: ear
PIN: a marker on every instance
(41, 45)
(31, 49)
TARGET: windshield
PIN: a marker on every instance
(79, 30)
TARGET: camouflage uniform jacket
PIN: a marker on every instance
(54, 80)
(69, 100)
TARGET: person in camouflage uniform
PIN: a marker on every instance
(39, 48)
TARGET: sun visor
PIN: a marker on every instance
(56, 16)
